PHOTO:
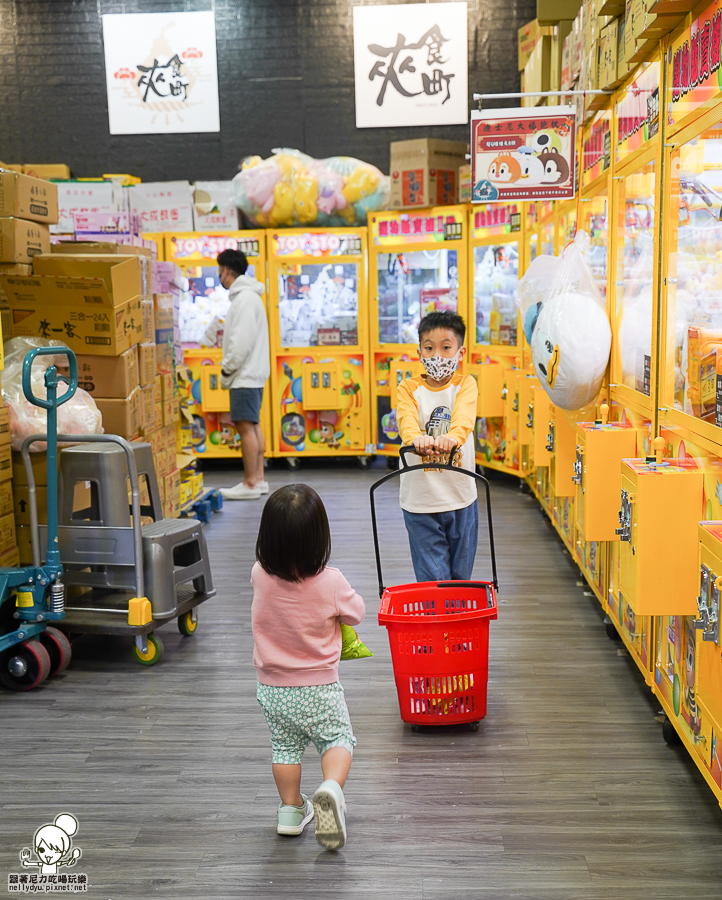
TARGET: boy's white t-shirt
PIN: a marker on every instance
(451, 410)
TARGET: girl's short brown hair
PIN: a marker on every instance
(294, 540)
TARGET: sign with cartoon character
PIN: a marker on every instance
(522, 154)
(161, 73)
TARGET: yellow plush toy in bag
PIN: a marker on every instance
(352, 647)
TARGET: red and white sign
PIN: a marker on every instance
(522, 154)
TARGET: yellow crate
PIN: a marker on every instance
(658, 541)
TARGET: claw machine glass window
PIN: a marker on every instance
(594, 219)
(417, 265)
(319, 350)
(636, 266)
(203, 308)
(694, 305)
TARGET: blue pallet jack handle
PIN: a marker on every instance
(51, 404)
(443, 466)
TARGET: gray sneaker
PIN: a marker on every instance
(293, 819)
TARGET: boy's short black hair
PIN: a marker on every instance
(448, 320)
(294, 540)
(235, 260)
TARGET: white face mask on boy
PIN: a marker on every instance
(440, 367)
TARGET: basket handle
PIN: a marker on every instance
(444, 466)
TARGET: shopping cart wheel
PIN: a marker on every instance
(59, 649)
(24, 666)
(669, 733)
(474, 726)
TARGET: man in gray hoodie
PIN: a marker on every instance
(245, 368)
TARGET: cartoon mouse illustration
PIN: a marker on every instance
(505, 168)
(51, 844)
(556, 168)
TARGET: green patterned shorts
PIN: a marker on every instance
(297, 715)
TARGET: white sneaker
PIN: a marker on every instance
(330, 808)
(262, 487)
(240, 492)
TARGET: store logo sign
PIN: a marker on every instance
(203, 247)
(52, 851)
(415, 226)
(161, 72)
(698, 57)
(321, 244)
(411, 64)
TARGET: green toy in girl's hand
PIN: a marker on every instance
(352, 647)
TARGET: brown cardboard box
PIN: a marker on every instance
(9, 269)
(171, 505)
(77, 310)
(147, 405)
(561, 32)
(39, 463)
(5, 436)
(6, 462)
(609, 45)
(164, 357)
(58, 171)
(21, 240)
(527, 37)
(122, 417)
(148, 322)
(146, 363)
(425, 172)
(21, 503)
(10, 559)
(6, 497)
(549, 12)
(168, 412)
(166, 310)
(538, 71)
(610, 7)
(122, 275)
(28, 198)
(158, 388)
(109, 376)
(7, 532)
(623, 66)
(167, 386)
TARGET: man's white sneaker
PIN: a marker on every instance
(240, 491)
(330, 808)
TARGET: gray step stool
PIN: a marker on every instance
(96, 543)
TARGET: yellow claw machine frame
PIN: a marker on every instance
(417, 265)
(319, 343)
(494, 337)
(202, 311)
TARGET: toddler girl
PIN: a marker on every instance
(298, 605)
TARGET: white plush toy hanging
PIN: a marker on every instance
(566, 326)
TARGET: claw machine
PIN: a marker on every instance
(417, 265)
(319, 343)
(203, 307)
(495, 261)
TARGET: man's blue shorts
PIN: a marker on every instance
(246, 404)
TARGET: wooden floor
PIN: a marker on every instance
(567, 792)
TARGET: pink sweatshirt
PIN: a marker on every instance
(296, 630)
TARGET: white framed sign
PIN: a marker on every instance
(161, 72)
(411, 64)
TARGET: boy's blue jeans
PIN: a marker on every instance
(443, 545)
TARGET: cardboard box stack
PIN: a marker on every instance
(8, 535)
(167, 281)
(425, 172)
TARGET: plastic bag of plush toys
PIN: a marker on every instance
(290, 188)
(79, 415)
(565, 322)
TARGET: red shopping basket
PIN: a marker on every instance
(439, 633)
